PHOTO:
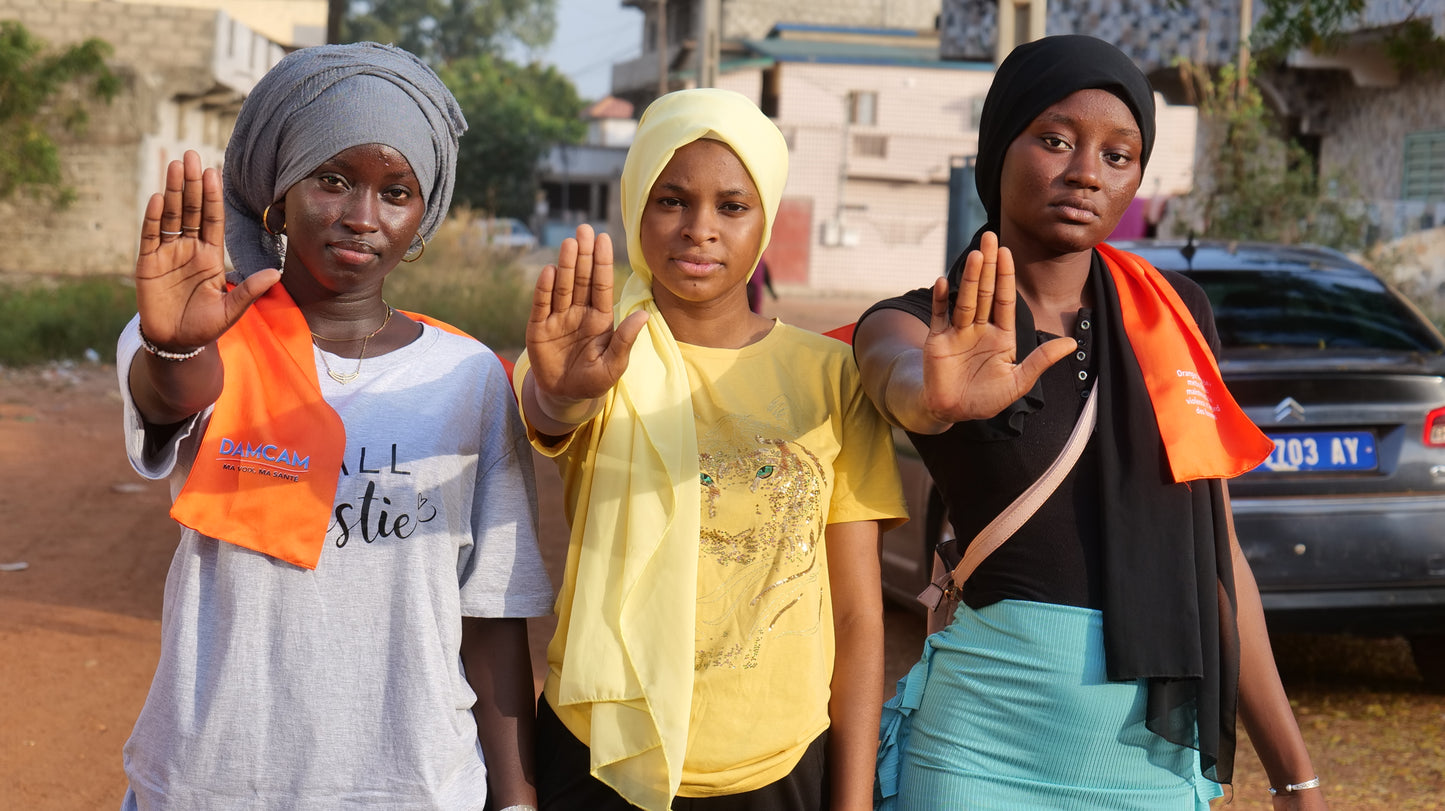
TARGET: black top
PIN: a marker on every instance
(1055, 556)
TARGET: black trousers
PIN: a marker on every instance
(565, 781)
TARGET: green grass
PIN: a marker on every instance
(484, 292)
(59, 318)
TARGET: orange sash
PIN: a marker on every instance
(1206, 434)
(266, 470)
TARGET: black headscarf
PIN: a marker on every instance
(1169, 606)
(1038, 75)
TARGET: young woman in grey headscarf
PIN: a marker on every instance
(1099, 656)
(344, 620)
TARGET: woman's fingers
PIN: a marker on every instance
(565, 277)
(150, 227)
(602, 275)
(243, 295)
(1005, 295)
(582, 280)
(987, 278)
(619, 349)
(212, 228)
(170, 229)
(189, 223)
(966, 305)
(939, 320)
(542, 294)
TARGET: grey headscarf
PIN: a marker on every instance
(317, 102)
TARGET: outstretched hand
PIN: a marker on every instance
(180, 274)
(575, 352)
(968, 361)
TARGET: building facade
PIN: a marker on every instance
(184, 68)
(1376, 129)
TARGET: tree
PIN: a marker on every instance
(1321, 26)
(445, 31)
(514, 113)
(1252, 183)
(43, 94)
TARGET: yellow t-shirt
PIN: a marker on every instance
(788, 443)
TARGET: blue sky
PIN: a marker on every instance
(591, 35)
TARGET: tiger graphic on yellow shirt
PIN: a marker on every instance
(762, 526)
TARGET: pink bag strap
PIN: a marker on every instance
(1014, 515)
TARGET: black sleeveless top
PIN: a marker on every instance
(980, 467)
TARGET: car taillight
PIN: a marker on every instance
(1435, 428)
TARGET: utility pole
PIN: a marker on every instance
(1246, 25)
(708, 36)
(662, 85)
(335, 11)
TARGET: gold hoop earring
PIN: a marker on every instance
(265, 214)
(418, 253)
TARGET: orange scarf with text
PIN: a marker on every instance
(265, 474)
(1206, 434)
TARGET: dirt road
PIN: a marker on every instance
(79, 626)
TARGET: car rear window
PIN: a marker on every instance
(1262, 309)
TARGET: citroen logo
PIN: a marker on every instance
(1288, 409)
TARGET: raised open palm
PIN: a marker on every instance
(180, 272)
(968, 361)
(574, 350)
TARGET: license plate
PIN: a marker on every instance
(1322, 451)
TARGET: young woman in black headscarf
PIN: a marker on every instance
(1099, 656)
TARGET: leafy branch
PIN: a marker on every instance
(43, 94)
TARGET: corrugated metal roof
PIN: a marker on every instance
(856, 53)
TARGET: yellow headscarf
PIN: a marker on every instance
(628, 662)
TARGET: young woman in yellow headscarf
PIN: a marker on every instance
(726, 481)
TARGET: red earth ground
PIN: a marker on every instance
(79, 625)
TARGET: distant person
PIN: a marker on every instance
(1099, 656)
(344, 621)
(762, 279)
(720, 629)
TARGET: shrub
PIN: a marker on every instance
(57, 319)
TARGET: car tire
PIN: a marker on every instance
(1429, 653)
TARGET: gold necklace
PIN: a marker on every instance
(342, 377)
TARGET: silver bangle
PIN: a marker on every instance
(1290, 788)
(165, 354)
(521, 807)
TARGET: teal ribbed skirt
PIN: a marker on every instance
(1010, 709)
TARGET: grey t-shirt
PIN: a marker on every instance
(343, 687)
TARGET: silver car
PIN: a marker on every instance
(1344, 524)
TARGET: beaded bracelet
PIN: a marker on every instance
(1290, 788)
(164, 354)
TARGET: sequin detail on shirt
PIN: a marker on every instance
(762, 524)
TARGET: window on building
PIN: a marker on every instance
(863, 108)
(771, 91)
(1424, 166)
(869, 145)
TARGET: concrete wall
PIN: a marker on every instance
(295, 22)
(184, 72)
